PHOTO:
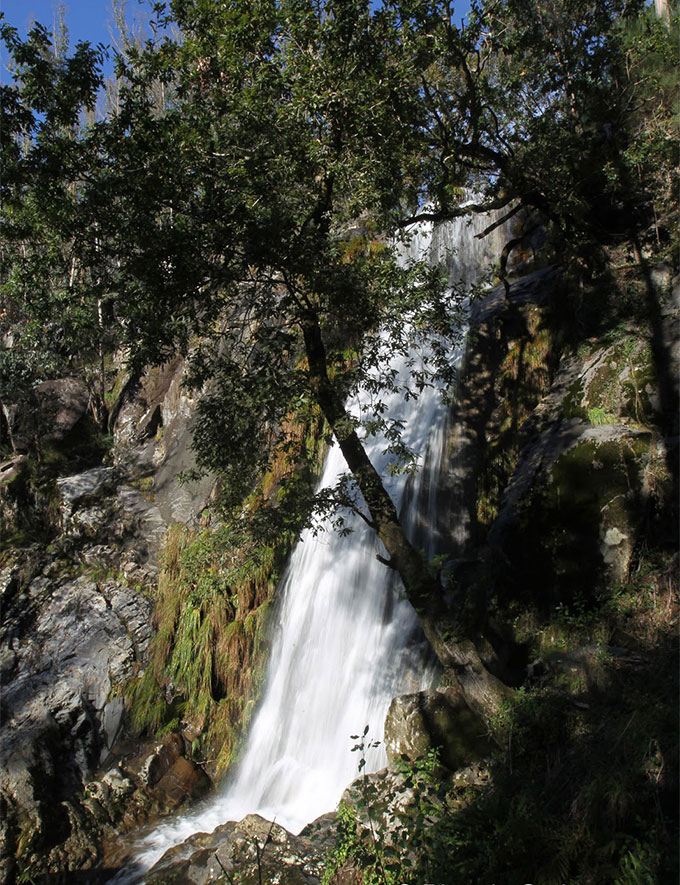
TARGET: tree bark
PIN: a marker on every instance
(483, 691)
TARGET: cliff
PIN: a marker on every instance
(561, 528)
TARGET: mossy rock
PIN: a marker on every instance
(575, 531)
(617, 384)
(427, 720)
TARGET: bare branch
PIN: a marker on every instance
(499, 222)
(457, 212)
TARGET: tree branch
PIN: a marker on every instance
(502, 220)
(458, 212)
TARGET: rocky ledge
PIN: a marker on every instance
(77, 620)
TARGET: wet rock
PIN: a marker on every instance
(109, 792)
(69, 643)
(161, 760)
(427, 720)
(183, 781)
(248, 852)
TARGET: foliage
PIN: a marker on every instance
(651, 69)
(54, 285)
(211, 601)
(536, 99)
(584, 789)
(262, 157)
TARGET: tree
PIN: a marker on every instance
(242, 218)
(533, 101)
(255, 200)
(52, 287)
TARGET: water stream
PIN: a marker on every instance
(345, 640)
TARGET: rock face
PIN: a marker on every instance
(77, 622)
(429, 720)
(560, 468)
(67, 645)
(152, 434)
(588, 487)
(46, 414)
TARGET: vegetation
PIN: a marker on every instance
(584, 789)
(290, 134)
(210, 608)
(240, 204)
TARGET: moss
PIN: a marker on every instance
(521, 379)
(604, 390)
(572, 406)
(113, 394)
(563, 561)
(211, 604)
(620, 387)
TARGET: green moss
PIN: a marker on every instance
(572, 406)
(620, 386)
(604, 389)
(112, 396)
(598, 416)
(211, 604)
(149, 708)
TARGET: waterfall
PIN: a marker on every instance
(345, 641)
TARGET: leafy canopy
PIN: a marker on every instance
(237, 201)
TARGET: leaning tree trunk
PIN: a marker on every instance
(482, 689)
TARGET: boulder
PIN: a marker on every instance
(47, 414)
(428, 720)
(161, 760)
(250, 852)
(183, 781)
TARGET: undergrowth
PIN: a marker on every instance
(584, 787)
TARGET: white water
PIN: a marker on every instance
(345, 642)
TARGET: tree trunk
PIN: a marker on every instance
(663, 11)
(483, 691)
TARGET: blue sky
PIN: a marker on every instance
(85, 19)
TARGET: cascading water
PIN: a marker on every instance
(346, 642)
